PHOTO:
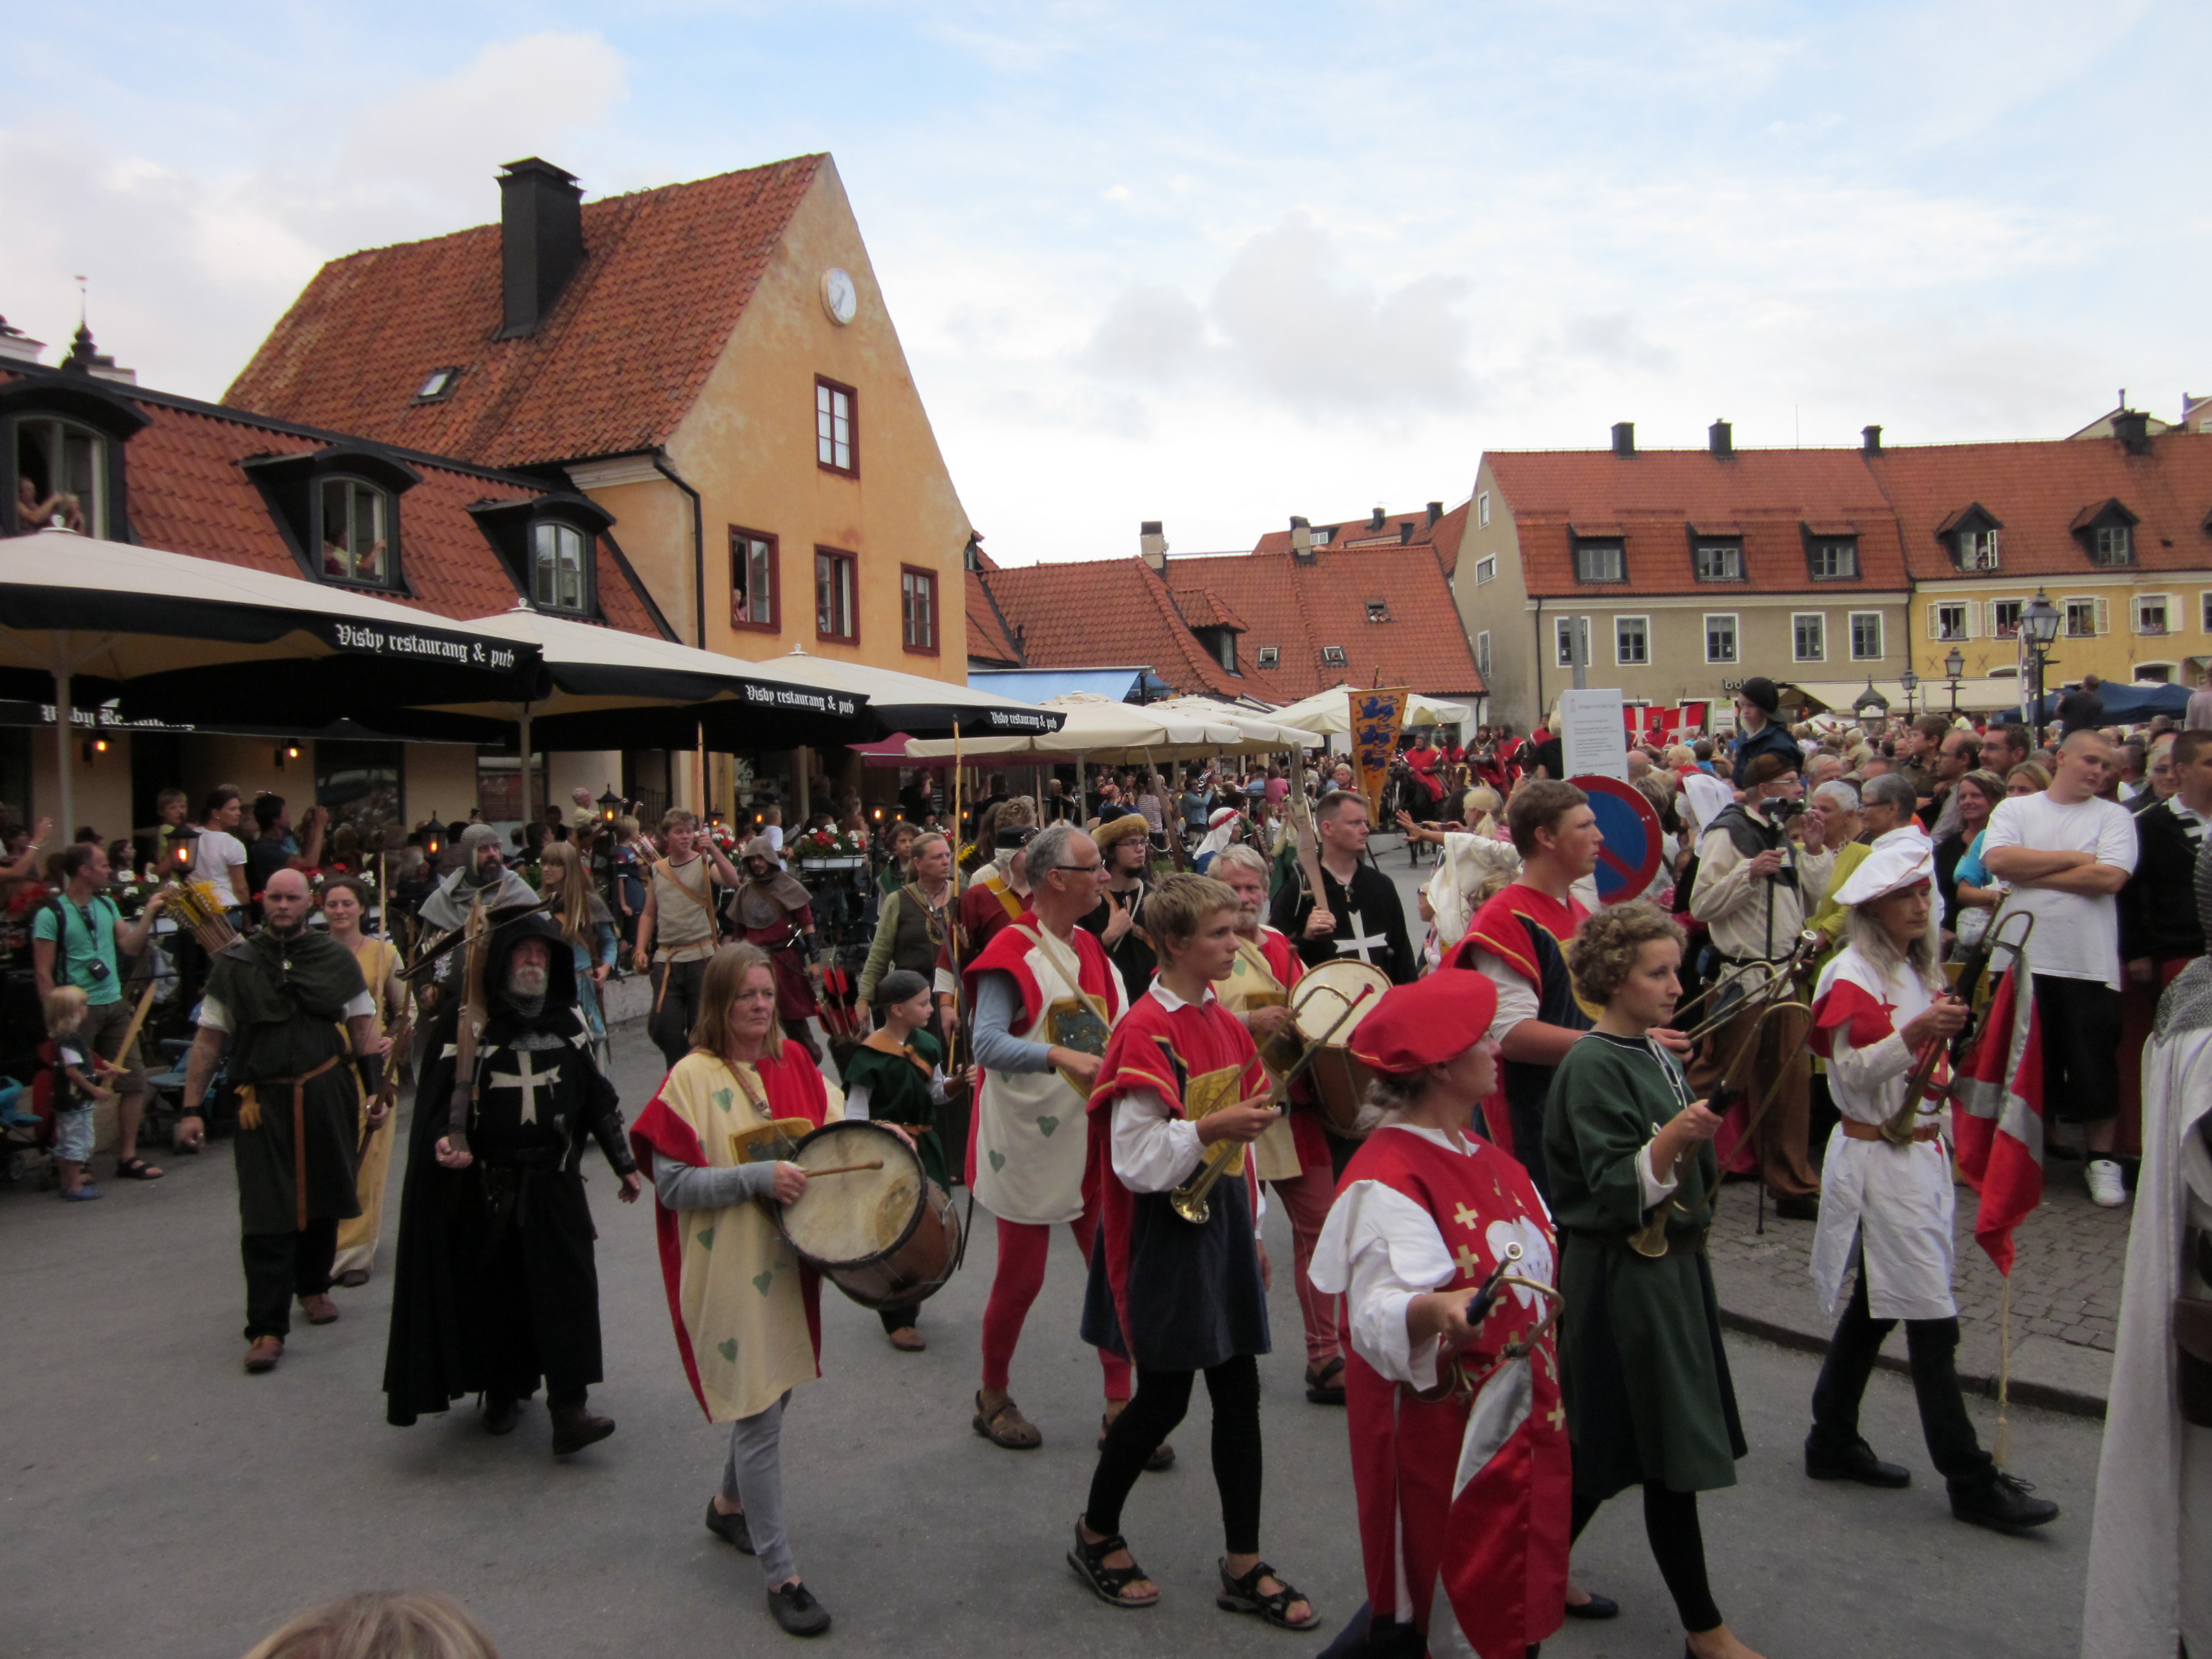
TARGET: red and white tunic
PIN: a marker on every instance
(1898, 1199)
(1474, 1489)
(1270, 970)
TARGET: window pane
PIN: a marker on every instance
(337, 555)
(824, 577)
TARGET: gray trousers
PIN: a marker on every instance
(754, 1481)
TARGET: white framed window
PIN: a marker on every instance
(2113, 543)
(1632, 642)
(1720, 562)
(1808, 635)
(2004, 617)
(1835, 559)
(1947, 621)
(1485, 570)
(1977, 550)
(61, 470)
(1482, 511)
(1720, 638)
(1601, 561)
(557, 567)
(2086, 619)
(2162, 672)
(2154, 613)
(1271, 656)
(1332, 655)
(1482, 652)
(1866, 635)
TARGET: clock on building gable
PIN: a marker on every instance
(839, 297)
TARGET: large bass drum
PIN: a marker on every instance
(886, 1237)
(1339, 1082)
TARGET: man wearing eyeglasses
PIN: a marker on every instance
(1042, 996)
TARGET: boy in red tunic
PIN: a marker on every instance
(1182, 1089)
(1459, 1444)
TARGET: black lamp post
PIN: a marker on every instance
(609, 804)
(1954, 668)
(1870, 706)
(1910, 682)
(2039, 627)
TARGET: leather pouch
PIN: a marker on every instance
(2193, 1345)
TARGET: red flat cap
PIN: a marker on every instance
(1427, 1022)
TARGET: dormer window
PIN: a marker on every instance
(1378, 610)
(61, 442)
(1600, 560)
(1977, 550)
(61, 477)
(558, 558)
(438, 386)
(1834, 558)
(2106, 532)
(1719, 562)
(1972, 535)
(354, 531)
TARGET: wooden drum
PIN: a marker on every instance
(1339, 1082)
(888, 1237)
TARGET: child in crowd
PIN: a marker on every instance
(75, 1069)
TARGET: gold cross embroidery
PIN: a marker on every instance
(1557, 1416)
(1466, 1218)
(1470, 1264)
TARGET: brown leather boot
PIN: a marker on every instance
(262, 1356)
(575, 1427)
(319, 1308)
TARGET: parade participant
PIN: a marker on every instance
(1516, 941)
(679, 928)
(345, 903)
(1292, 1155)
(496, 1285)
(897, 1076)
(1648, 1396)
(1000, 895)
(589, 927)
(1357, 912)
(912, 925)
(1422, 760)
(2148, 1594)
(1170, 1296)
(747, 1312)
(282, 995)
(1115, 918)
(1750, 892)
(483, 873)
(1886, 1209)
(1043, 995)
(1426, 1211)
(777, 913)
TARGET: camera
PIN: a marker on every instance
(1781, 811)
(95, 969)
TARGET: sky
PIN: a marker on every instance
(1219, 264)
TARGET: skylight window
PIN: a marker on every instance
(438, 386)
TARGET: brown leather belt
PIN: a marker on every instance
(1855, 1130)
(249, 1117)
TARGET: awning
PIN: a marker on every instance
(1103, 728)
(1331, 711)
(915, 704)
(1978, 696)
(1041, 684)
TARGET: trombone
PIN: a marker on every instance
(1189, 1199)
(1759, 982)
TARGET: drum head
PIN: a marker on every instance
(1326, 992)
(843, 1220)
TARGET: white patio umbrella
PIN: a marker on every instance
(1331, 711)
(1101, 729)
(1263, 734)
(195, 639)
(915, 704)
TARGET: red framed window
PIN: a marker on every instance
(753, 579)
(836, 428)
(835, 617)
(918, 607)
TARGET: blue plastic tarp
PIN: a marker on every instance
(2125, 705)
(1035, 684)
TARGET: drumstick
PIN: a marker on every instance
(840, 1168)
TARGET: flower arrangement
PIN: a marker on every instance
(830, 843)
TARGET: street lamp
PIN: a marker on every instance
(1954, 668)
(1910, 682)
(2039, 628)
(609, 805)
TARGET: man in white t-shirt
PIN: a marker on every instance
(2065, 854)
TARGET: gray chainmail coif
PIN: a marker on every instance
(2187, 1003)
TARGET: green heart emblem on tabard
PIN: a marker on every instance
(724, 1098)
(997, 1161)
(1047, 1125)
(728, 1350)
(707, 1237)
(761, 1281)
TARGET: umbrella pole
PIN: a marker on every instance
(530, 808)
(66, 785)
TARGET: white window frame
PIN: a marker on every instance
(1978, 549)
(1618, 549)
(1998, 630)
(1271, 656)
(2112, 544)
(1482, 652)
(1846, 546)
(1820, 619)
(1332, 656)
(1880, 636)
(1734, 632)
(1940, 632)
(1482, 511)
(1644, 624)
(1734, 552)
(2164, 603)
(1485, 570)
(2099, 612)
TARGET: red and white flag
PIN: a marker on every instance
(1505, 1542)
(1997, 1120)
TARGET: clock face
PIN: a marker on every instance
(839, 297)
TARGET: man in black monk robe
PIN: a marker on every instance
(496, 1284)
(297, 1014)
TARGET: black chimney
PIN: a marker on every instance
(1721, 437)
(2132, 427)
(1405, 532)
(1870, 441)
(1624, 437)
(1375, 520)
(1436, 511)
(541, 239)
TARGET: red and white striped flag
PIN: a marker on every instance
(1998, 1118)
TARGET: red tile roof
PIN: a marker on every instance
(988, 640)
(666, 273)
(1201, 607)
(2038, 492)
(1651, 499)
(1106, 612)
(187, 494)
(1360, 532)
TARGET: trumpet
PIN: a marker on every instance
(1759, 982)
(1189, 1199)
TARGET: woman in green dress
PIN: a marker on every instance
(1646, 1382)
(896, 1076)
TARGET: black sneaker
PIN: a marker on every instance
(730, 1529)
(1857, 1463)
(501, 1412)
(793, 1607)
(2001, 1502)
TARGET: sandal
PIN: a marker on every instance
(1107, 1583)
(1162, 1457)
(137, 1168)
(1007, 1426)
(1242, 1595)
(1325, 1387)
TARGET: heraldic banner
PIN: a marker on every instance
(1377, 716)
